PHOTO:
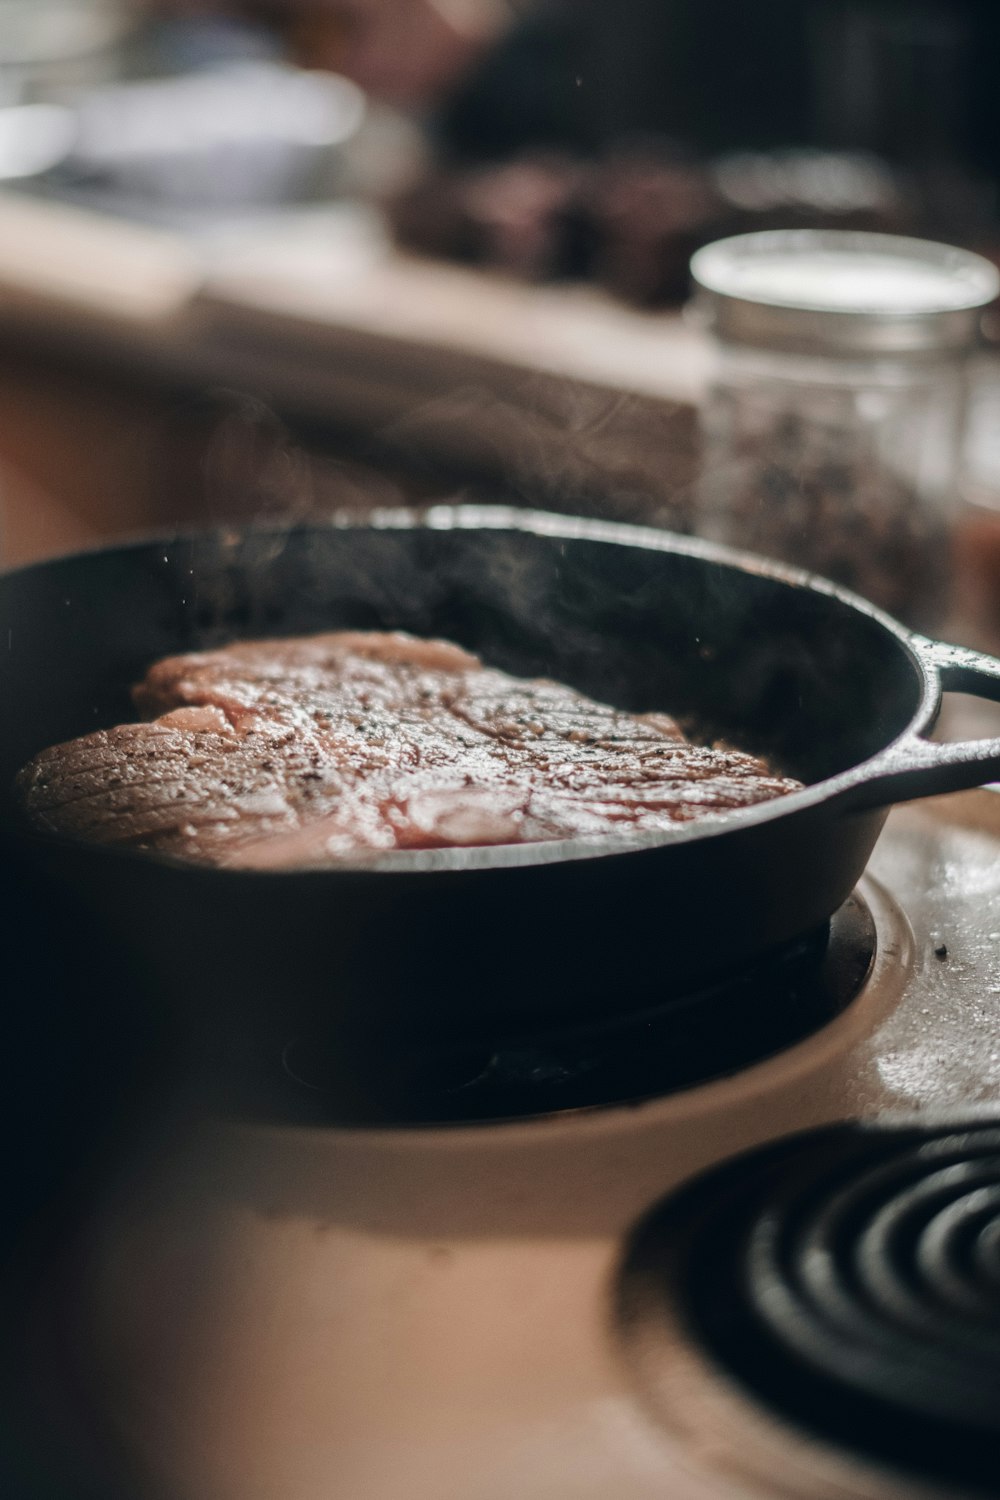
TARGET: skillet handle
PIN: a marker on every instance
(915, 767)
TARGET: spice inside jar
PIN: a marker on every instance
(832, 430)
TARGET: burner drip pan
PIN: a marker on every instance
(850, 1280)
(648, 1050)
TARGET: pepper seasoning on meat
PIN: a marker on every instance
(316, 750)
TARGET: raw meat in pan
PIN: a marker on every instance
(330, 748)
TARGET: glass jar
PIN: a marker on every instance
(832, 430)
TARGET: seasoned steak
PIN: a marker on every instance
(309, 751)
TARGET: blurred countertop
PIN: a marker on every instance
(319, 296)
(554, 396)
(113, 333)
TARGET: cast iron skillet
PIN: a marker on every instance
(475, 942)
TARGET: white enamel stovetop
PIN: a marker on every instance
(426, 1314)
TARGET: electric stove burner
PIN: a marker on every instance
(851, 1279)
(648, 1050)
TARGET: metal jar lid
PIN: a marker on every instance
(843, 293)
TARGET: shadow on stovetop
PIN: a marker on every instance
(80, 1071)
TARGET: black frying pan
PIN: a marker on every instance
(470, 942)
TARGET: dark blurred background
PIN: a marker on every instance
(902, 95)
(915, 82)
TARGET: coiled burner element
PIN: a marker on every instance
(851, 1279)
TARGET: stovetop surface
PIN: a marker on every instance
(276, 1311)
